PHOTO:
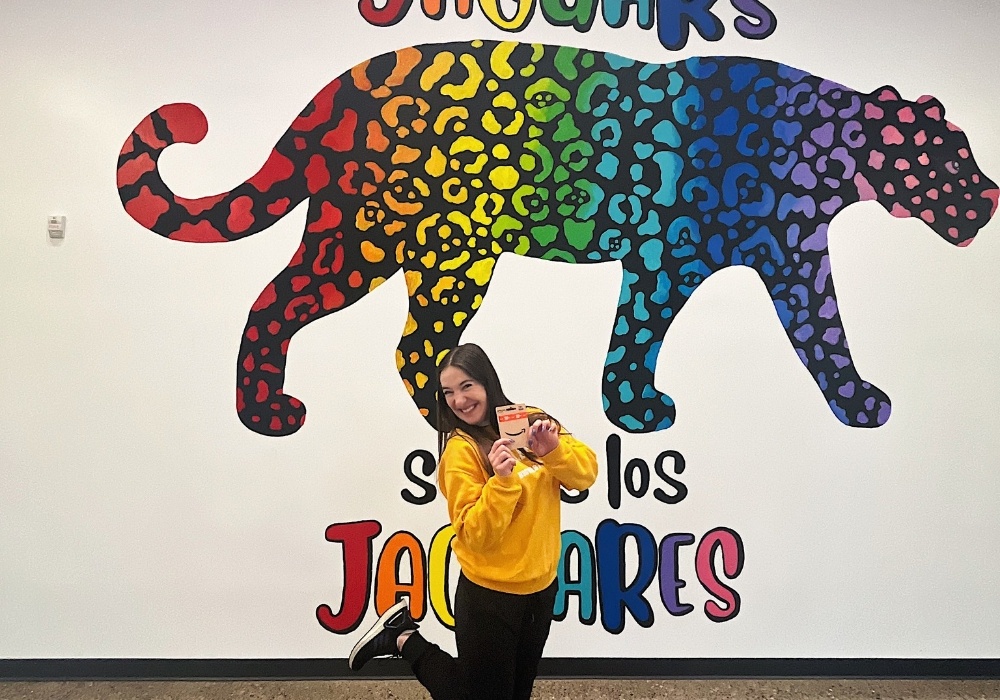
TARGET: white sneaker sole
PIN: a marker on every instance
(375, 630)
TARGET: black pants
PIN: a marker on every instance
(500, 638)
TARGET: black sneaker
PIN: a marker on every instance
(380, 640)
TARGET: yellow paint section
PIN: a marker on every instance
(421, 380)
(372, 253)
(453, 191)
(437, 164)
(438, 327)
(487, 207)
(459, 318)
(414, 278)
(376, 282)
(456, 262)
(491, 124)
(437, 70)
(429, 260)
(470, 86)
(399, 360)
(399, 251)
(461, 220)
(459, 114)
(411, 325)
(481, 271)
(505, 100)
(437, 568)
(409, 387)
(500, 60)
(428, 348)
(504, 177)
(501, 152)
(465, 144)
(424, 225)
(444, 284)
(491, 8)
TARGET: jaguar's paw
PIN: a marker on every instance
(278, 414)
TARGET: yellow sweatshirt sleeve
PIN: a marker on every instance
(572, 463)
(480, 509)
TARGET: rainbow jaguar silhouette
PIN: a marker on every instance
(438, 159)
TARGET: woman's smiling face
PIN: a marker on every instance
(465, 396)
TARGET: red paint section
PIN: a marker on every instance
(332, 297)
(322, 109)
(350, 168)
(147, 207)
(317, 175)
(262, 391)
(330, 217)
(278, 168)
(202, 232)
(131, 171)
(356, 540)
(292, 308)
(196, 207)
(341, 138)
(186, 123)
(147, 134)
(297, 258)
(300, 282)
(338, 260)
(355, 280)
(318, 267)
(279, 207)
(266, 298)
(240, 214)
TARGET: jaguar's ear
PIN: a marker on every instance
(932, 107)
(887, 93)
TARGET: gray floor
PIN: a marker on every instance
(544, 690)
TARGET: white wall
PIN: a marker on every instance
(138, 518)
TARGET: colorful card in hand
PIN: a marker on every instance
(513, 420)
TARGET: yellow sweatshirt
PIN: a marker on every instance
(508, 527)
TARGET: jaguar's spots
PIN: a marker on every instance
(438, 159)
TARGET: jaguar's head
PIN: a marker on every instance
(916, 163)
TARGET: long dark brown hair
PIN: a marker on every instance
(472, 359)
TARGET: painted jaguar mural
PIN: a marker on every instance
(438, 159)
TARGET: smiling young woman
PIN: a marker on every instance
(504, 504)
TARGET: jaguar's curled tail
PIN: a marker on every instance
(279, 185)
(328, 271)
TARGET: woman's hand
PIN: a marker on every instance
(543, 437)
(501, 458)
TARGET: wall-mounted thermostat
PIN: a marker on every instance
(57, 227)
